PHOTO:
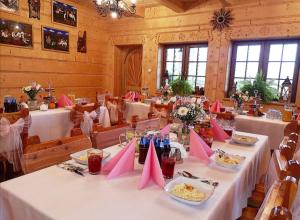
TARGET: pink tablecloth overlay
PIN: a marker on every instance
(53, 193)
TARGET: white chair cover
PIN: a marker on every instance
(11, 146)
(113, 111)
(87, 124)
(103, 116)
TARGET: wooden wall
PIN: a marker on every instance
(73, 72)
(253, 20)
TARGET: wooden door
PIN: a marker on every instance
(132, 70)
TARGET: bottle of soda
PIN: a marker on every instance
(166, 144)
(143, 150)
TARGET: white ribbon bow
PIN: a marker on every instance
(11, 146)
(87, 124)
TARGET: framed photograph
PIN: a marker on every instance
(15, 33)
(34, 9)
(9, 5)
(54, 39)
(81, 42)
(64, 14)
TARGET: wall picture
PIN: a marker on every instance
(34, 9)
(64, 13)
(81, 42)
(54, 39)
(9, 5)
(15, 33)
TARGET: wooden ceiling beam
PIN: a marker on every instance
(193, 4)
(174, 5)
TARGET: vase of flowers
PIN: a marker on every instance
(31, 91)
(166, 92)
(238, 99)
(187, 113)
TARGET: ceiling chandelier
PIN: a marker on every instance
(116, 8)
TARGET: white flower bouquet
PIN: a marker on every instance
(32, 90)
(187, 113)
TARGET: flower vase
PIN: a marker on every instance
(185, 134)
(238, 108)
(32, 104)
(165, 98)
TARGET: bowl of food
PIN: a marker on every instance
(189, 191)
(243, 139)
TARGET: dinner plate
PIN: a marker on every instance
(208, 190)
(77, 156)
(244, 140)
(222, 163)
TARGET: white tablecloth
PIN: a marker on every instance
(274, 129)
(136, 108)
(53, 193)
(50, 125)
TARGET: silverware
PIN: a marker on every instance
(71, 168)
(191, 176)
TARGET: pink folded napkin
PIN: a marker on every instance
(218, 132)
(165, 130)
(215, 107)
(151, 169)
(199, 148)
(64, 101)
(122, 162)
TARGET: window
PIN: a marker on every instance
(278, 59)
(186, 61)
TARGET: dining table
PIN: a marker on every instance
(51, 124)
(54, 193)
(273, 128)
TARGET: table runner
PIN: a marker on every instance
(54, 193)
(273, 128)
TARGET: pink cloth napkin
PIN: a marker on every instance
(64, 101)
(122, 162)
(199, 148)
(219, 133)
(215, 107)
(165, 130)
(151, 169)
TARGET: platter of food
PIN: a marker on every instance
(228, 160)
(189, 191)
(81, 156)
(244, 140)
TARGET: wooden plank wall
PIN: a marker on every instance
(253, 19)
(73, 72)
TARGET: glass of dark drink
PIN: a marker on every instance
(94, 161)
(168, 160)
(228, 130)
(222, 109)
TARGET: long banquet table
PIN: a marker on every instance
(50, 125)
(54, 193)
(273, 128)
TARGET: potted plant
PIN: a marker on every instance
(181, 87)
(264, 89)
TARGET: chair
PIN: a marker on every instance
(163, 111)
(39, 156)
(281, 194)
(12, 118)
(146, 124)
(100, 97)
(116, 107)
(106, 137)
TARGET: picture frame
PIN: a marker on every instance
(55, 39)
(14, 33)
(64, 13)
(34, 7)
(11, 6)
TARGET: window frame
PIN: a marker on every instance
(264, 60)
(185, 57)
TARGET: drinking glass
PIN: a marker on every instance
(168, 160)
(94, 160)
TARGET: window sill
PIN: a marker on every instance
(270, 103)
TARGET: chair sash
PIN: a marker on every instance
(11, 146)
(113, 111)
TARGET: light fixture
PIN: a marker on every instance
(116, 8)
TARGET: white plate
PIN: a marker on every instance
(243, 139)
(228, 165)
(208, 190)
(76, 156)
